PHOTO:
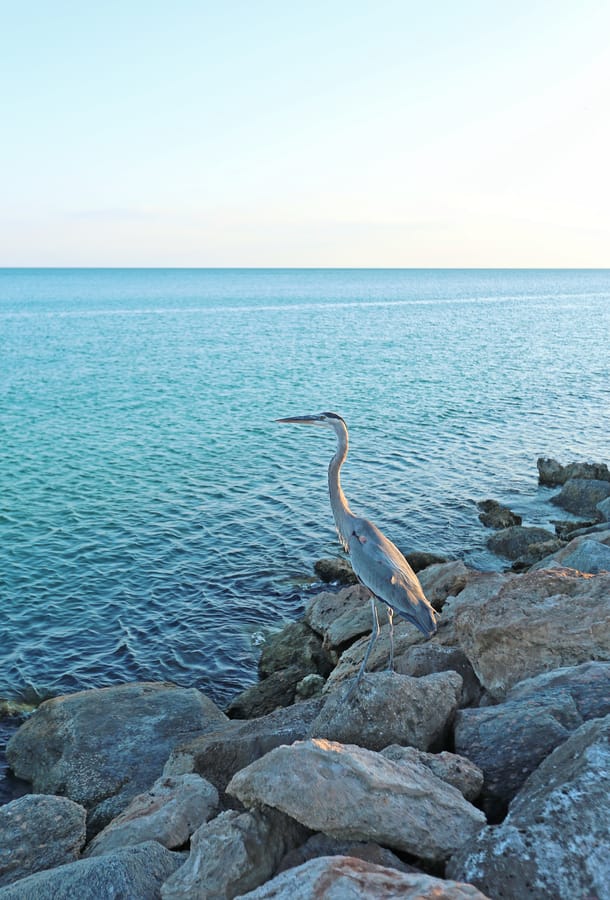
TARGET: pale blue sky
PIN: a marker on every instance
(286, 134)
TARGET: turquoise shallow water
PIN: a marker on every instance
(155, 521)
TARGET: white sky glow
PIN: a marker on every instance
(271, 133)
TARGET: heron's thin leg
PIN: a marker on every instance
(391, 624)
(374, 636)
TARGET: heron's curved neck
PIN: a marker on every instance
(338, 502)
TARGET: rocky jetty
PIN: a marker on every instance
(478, 768)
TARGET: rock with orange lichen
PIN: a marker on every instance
(334, 877)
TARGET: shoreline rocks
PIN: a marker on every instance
(479, 764)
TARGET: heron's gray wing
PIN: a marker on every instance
(380, 565)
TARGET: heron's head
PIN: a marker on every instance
(323, 420)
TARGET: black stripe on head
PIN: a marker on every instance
(332, 415)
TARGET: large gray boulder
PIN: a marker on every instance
(235, 852)
(323, 845)
(554, 842)
(456, 770)
(551, 472)
(510, 740)
(441, 580)
(430, 657)
(39, 832)
(349, 792)
(523, 625)
(513, 542)
(580, 496)
(136, 873)
(386, 708)
(102, 747)
(169, 813)
(351, 878)
(343, 616)
(588, 553)
(217, 756)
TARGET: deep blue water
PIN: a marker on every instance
(154, 521)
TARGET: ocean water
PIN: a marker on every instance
(155, 523)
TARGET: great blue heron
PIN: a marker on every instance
(377, 562)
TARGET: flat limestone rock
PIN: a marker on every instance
(351, 793)
(169, 813)
(554, 842)
(39, 832)
(524, 625)
(136, 872)
(102, 747)
(386, 708)
(350, 878)
(235, 852)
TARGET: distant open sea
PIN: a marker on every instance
(155, 523)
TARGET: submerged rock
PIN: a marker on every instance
(554, 841)
(102, 747)
(39, 832)
(495, 515)
(347, 877)
(348, 792)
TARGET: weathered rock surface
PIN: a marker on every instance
(528, 624)
(169, 813)
(456, 770)
(233, 853)
(308, 687)
(102, 747)
(513, 542)
(136, 873)
(603, 509)
(580, 496)
(496, 515)
(349, 878)
(38, 832)
(386, 708)
(352, 793)
(323, 845)
(219, 755)
(537, 716)
(442, 579)
(554, 841)
(551, 472)
(295, 645)
(590, 554)
(341, 617)
(335, 570)
(429, 657)
(535, 553)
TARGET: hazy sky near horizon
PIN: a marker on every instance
(334, 133)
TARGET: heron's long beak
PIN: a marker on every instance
(300, 420)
